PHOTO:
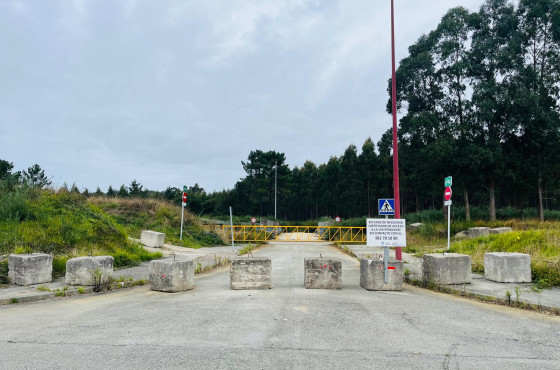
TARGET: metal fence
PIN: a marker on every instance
(244, 233)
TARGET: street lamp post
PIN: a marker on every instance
(275, 186)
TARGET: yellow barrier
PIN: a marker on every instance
(296, 233)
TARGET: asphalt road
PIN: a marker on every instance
(285, 327)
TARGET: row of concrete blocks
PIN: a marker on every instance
(255, 273)
(454, 268)
(475, 232)
(36, 268)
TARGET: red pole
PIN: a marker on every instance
(398, 251)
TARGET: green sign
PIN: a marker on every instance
(184, 189)
(448, 181)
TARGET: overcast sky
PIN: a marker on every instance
(173, 93)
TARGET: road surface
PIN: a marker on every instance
(284, 327)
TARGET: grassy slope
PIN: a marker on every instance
(136, 214)
(65, 225)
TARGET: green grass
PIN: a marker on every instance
(543, 245)
(136, 214)
(248, 248)
(63, 224)
(541, 240)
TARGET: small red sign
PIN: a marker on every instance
(337, 219)
(253, 220)
(447, 193)
(184, 197)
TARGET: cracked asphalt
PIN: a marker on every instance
(284, 327)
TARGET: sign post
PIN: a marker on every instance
(386, 233)
(231, 225)
(447, 195)
(183, 204)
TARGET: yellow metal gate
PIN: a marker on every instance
(252, 233)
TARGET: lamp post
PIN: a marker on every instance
(398, 250)
(275, 186)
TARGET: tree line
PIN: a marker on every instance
(479, 101)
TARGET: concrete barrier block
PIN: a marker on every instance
(414, 226)
(89, 271)
(250, 273)
(448, 268)
(322, 273)
(171, 276)
(507, 267)
(152, 238)
(372, 275)
(500, 230)
(475, 232)
(29, 269)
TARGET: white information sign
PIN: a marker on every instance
(383, 232)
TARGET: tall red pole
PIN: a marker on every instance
(398, 251)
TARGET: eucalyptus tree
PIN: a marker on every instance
(491, 65)
(451, 52)
(537, 89)
(419, 97)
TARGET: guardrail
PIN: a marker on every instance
(243, 233)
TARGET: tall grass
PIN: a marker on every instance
(543, 245)
(63, 224)
(137, 214)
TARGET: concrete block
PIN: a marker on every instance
(250, 273)
(89, 271)
(507, 267)
(414, 226)
(475, 232)
(152, 238)
(29, 269)
(461, 235)
(448, 268)
(372, 275)
(500, 230)
(322, 273)
(171, 276)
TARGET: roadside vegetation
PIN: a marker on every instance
(63, 224)
(541, 240)
(137, 214)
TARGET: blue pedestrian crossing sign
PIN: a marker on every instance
(386, 207)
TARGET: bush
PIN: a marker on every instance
(14, 204)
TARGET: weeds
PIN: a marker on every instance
(81, 290)
(100, 281)
(15, 300)
(43, 288)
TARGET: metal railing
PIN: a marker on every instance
(244, 233)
